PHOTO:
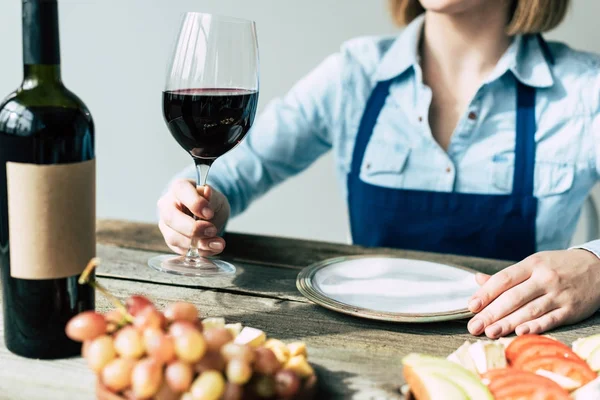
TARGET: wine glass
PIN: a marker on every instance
(209, 104)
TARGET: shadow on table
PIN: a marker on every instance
(332, 385)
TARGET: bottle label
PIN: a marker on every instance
(51, 218)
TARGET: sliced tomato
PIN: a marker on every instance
(527, 391)
(520, 343)
(576, 370)
(517, 377)
(499, 372)
(536, 350)
(512, 384)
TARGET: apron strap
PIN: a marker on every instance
(369, 119)
(525, 135)
(525, 141)
(523, 180)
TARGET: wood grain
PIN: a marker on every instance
(355, 358)
(274, 251)
(250, 279)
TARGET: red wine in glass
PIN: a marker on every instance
(209, 122)
(209, 102)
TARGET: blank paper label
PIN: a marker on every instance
(52, 218)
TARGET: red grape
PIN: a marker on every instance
(266, 363)
(116, 375)
(84, 348)
(190, 346)
(148, 317)
(179, 376)
(166, 393)
(128, 343)
(158, 345)
(116, 316)
(238, 372)
(208, 386)
(181, 311)
(100, 352)
(87, 325)
(137, 303)
(287, 383)
(146, 378)
(233, 392)
(210, 361)
(216, 338)
(179, 327)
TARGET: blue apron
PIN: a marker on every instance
(481, 225)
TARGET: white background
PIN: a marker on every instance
(114, 57)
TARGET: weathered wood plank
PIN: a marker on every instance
(276, 251)
(249, 279)
(356, 358)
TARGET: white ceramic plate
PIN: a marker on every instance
(389, 288)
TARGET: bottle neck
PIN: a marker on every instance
(41, 42)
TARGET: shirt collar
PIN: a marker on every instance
(525, 58)
(404, 52)
(528, 62)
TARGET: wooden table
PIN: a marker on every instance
(355, 358)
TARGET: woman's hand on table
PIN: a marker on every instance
(176, 209)
(546, 290)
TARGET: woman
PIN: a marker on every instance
(467, 134)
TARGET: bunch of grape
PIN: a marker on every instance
(140, 352)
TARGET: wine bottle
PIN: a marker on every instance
(47, 195)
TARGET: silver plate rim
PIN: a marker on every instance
(305, 285)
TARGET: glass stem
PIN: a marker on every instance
(202, 168)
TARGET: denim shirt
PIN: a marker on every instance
(322, 112)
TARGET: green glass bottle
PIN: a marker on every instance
(47, 196)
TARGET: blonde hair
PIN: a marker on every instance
(527, 16)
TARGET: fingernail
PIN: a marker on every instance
(216, 245)
(207, 212)
(493, 330)
(475, 326)
(522, 330)
(210, 232)
(474, 305)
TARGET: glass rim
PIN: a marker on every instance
(222, 17)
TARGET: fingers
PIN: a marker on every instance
(177, 219)
(180, 243)
(186, 225)
(207, 192)
(544, 323)
(505, 304)
(498, 284)
(481, 278)
(172, 237)
(186, 193)
(213, 246)
(530, 311)
(178, 250)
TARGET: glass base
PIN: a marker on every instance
(201, 267)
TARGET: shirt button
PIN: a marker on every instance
(448, 169)
(368, 166)
(472, 115)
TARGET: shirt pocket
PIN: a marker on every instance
(384, 164)
(551, 178)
